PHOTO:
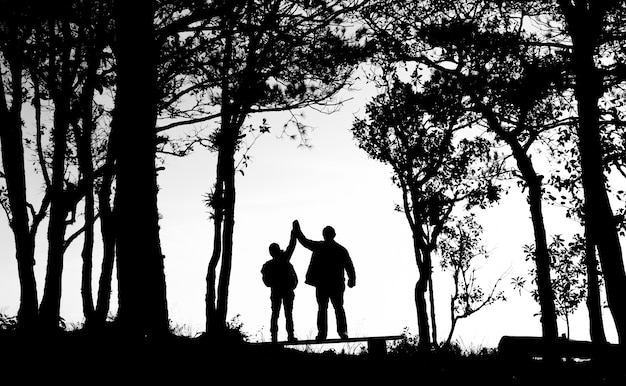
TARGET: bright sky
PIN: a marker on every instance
(332, 183)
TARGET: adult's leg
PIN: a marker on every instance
(322, 313)
(288, 304)
(336, 298)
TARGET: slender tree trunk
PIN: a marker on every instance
(59, 208)
(51, 302)
(422, 313)
(224, 206)
(594, 304)
(223, 197)
(86, 167)
(141, 278)
(229, 223)
(422, 260)
(542, 257)
(542, 260)
(453, 317)
(453, 322)
(84, 149)
(87, 256)
(431, 294)
(107, 230)
(212, 323)
(421, 285)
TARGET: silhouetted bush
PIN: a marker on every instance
(407, 346)
(7, 323)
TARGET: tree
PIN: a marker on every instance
(66, 55)
(94, 39)
(460, 246)
(434, 164)
(141, 278)
(61, 59)
(507, 84)
(16, 27)
(590, 28)
(55, 74)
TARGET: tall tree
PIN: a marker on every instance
(16, 25)
(56, 74)
(65, 72)
(93, 19)
(509, 87)
(590, 26)
(141, 277)
(436, 166)
(55, 52)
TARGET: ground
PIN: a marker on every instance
(77, 358)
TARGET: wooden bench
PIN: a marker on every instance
(529, 347)
(376, 345)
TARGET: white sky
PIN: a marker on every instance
(333, 183)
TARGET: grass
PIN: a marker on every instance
(78, 357)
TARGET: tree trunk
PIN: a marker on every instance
(421, 286)
(431, 294)
(584, 31)
(84, 150)
(223, 196)
(107, 230)
(453, 323)
(224, 206)
(50, 307)
(212, 323)
(542, 257)
(594, 304)
(87, 252)
(422, 260)
(229, 224)
(542, 260)
(15, 177)
(422, 313)
(141, 279)
(533, 181)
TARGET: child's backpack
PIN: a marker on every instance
(279, 274)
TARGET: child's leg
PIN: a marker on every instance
(288, 304)
(276, 302)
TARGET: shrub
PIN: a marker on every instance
(7, 323)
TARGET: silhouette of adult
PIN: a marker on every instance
(278, 274)
(329, 262)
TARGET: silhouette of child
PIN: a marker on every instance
(279, 274)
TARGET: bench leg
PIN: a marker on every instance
(377, 347)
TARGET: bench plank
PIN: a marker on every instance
(376, 344)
